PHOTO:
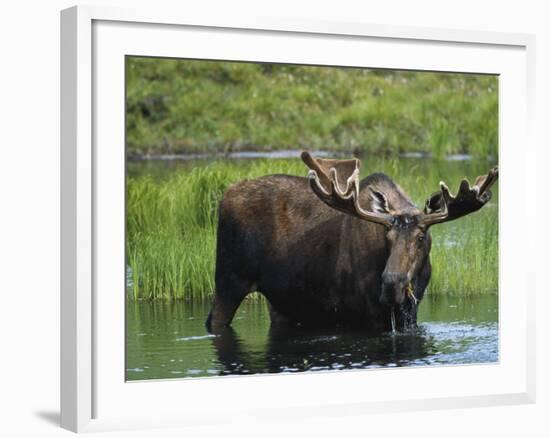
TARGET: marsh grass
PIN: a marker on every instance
(171, 226)
(183, 106)
(464, 256)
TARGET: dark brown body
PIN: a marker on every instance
(316, 266)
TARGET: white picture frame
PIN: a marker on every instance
(94, 395)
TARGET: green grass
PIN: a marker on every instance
(183, 106)
(171, 226)
(464, 256)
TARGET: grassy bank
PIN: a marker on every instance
(171, 227)
(179, 106)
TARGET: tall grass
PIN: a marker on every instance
(464, 255)
(171, 226)
(208, 106)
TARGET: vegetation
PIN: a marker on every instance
(171, 226)
(188, 106)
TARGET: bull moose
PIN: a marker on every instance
(331, 249)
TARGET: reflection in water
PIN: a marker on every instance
(167, 340)
(294, 349)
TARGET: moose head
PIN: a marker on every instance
(406, 227)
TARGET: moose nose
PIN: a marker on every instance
(393, 278)
(393, 284)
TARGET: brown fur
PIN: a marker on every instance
(315, 265)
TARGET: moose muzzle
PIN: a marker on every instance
(394, 288)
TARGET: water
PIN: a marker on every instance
(418, 163)
(168, 340)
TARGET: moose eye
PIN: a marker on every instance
(421, 238)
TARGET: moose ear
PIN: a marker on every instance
(336, 183)
(434, 204)
(379, 202)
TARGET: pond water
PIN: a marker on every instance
(168, 340)
(418, 163)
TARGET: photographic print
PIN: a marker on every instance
(290, 218)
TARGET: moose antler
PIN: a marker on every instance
(336, 183)
(444, 207)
